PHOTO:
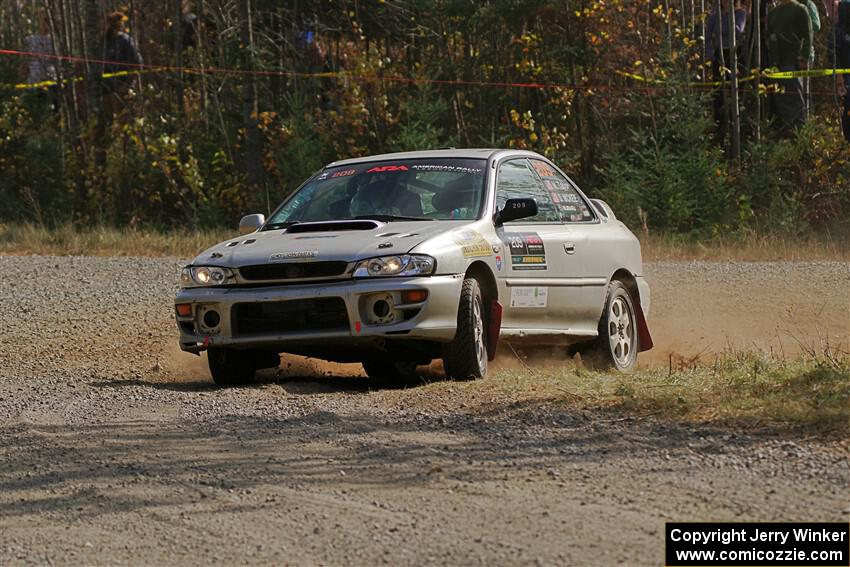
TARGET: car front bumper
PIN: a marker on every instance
(354, 321)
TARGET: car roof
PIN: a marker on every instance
(474, 153)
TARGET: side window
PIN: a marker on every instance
(567, 201)
(517, 181)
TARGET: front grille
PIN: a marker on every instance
(293, 270)
(298, 315)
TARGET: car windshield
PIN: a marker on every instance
(413, 189)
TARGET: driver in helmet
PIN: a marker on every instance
(376, 198)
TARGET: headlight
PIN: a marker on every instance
(204, 276)
(406, 265)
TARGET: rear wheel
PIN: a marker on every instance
(466, 356)
(616, 347)
(388, 374)
(231, 367)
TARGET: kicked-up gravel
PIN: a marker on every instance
(115, 448)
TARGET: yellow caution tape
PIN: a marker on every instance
(750, 77)
(766, 74)
(773, 74)
(46, 84)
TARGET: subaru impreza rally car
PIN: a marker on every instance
(395, 260)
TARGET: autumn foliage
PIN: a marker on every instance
(271, 92)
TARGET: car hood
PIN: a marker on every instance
(331, 241)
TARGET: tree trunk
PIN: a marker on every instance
(757, 55)
(178, 50)
(733, 88)
(250, 110)
(93, 52)
(94, 112)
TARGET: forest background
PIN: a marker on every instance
(245, 99)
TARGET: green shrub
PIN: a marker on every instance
(668, 173)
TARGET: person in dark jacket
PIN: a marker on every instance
(789, 36)
(119, 54)
(839, 56)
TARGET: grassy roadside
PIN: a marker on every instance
(20, 239)
(106, 241)
(753, 248)
(744, 391)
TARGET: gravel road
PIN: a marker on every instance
(117, 450)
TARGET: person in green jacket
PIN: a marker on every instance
(814, 15)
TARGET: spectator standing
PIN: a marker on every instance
(839, 57)
(40, 69)
(789, 36)
(119, 50)
(718, 42)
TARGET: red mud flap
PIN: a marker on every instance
(644, 338)
(494, 329)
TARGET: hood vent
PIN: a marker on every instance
(333, 226)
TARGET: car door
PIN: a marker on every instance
(534, 281)
(580, 260)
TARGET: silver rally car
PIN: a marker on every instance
(399, 259)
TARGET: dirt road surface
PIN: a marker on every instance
(116, 449)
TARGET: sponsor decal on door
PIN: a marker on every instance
(527, 251)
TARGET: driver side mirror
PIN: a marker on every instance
(251, 223)
(515, 209)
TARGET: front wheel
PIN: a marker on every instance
(231, 367)
(616, 347)
(466, 356)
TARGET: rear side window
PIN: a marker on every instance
(517, 181)
(569, 204)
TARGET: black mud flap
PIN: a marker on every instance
(644, 338)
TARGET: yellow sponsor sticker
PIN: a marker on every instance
(472, 244)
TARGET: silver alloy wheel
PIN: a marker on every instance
(480, 346)
(621, 331)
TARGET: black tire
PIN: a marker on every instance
(387, 374)
(231, 367)
(617, 346)
(465, 358)
(266, 359)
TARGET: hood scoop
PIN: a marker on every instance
(333, 226)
